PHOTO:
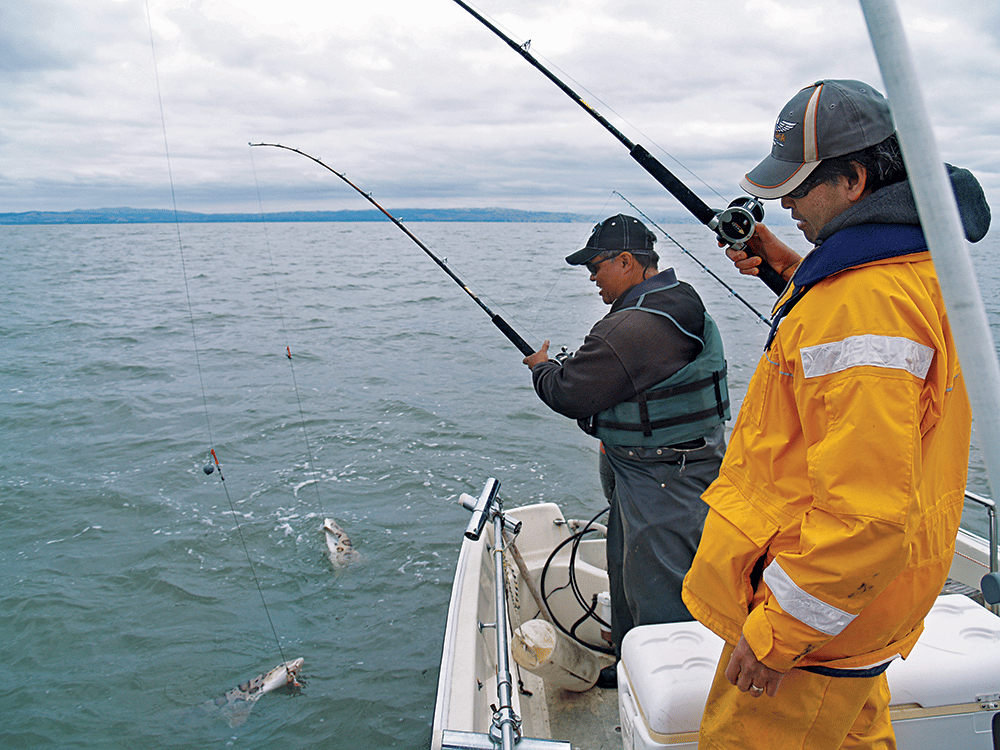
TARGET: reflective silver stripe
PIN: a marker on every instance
(802, 606)
(892, 352)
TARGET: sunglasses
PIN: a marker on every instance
(595, 265)
(804, 189)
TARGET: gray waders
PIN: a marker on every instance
(654, 526)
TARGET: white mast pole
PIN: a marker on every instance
(942, 228)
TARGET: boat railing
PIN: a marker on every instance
(505, 732)
(994, 530)
(990, 583)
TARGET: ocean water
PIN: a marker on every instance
(135, 587)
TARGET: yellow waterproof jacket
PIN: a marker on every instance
(834, 516)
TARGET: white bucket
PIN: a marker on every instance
(541, 649)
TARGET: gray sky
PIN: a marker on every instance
(422, 106)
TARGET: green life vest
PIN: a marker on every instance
(685, 406)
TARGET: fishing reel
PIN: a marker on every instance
(735, 225)
(563, 354)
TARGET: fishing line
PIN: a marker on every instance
(513, 336)
(526, 45)
(684, 250)
(214, 464)
(284, 331)
(733, 225)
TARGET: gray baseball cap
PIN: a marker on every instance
(828, 119)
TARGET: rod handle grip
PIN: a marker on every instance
(701, 210)
(771, 278)
(512, 335)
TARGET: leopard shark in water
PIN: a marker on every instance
(338, 545)
(237, 703)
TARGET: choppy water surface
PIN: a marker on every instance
(130, 351)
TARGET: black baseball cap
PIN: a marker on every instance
(615, 234)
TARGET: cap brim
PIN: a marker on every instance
(773, 178)
(583, 255)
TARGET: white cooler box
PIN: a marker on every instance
(945, 693)
(943, 696)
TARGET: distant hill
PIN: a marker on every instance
(164, 216)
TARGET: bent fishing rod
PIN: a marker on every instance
(733, 225)
(512, 335)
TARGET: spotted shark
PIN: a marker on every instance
(338, 545)
(237, 703)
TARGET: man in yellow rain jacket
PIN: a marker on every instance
(834, 516)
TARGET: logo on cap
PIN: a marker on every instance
(782, 127)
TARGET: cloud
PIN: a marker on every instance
(420, 104)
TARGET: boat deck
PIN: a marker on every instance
(588, 720)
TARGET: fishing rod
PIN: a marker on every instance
(733, 225)
(687, 252)
(512, 335)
